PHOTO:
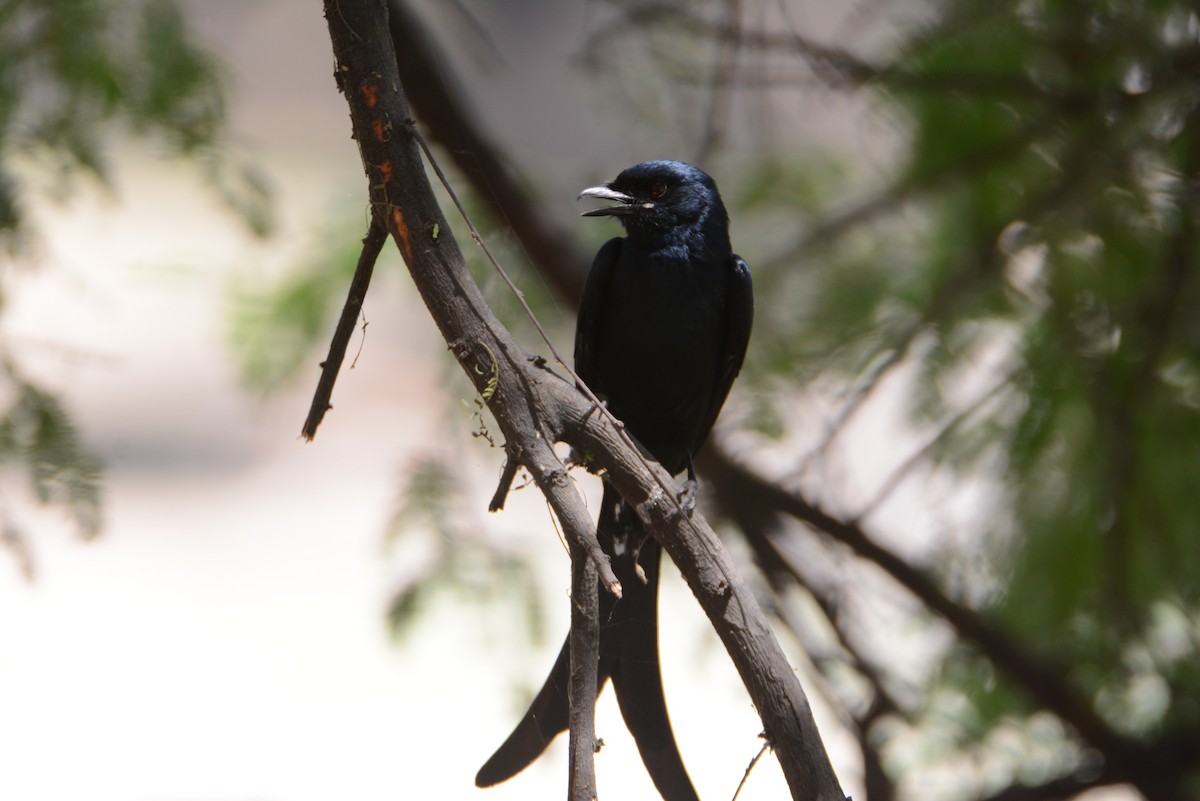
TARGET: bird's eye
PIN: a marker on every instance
(658, 190)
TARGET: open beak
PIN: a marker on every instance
(625, 203)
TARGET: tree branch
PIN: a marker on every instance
(372, 246)
(581, 688)
(534, 408)
(1045, 682)
(403, 202)
(442, 107)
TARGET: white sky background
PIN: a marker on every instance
(224, 640)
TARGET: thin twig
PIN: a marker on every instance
(362, 343)
(584, 676)
(372, 245)
(861, 392)
(898, 475)
(766, 746)
(511, 463)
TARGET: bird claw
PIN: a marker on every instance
(687, 497)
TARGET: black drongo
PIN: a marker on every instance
(663, 326)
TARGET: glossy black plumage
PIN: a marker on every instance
(663, 326)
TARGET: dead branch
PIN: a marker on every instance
(535, 408)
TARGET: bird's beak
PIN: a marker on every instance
(625, 203)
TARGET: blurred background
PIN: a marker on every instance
(960, 465)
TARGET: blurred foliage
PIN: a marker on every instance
(437, 530)
(74, 73)
(38, 438)
(276, 326)
(1028, 273)
(276, 330)
(74, 76)
(1040, 246)
(1084, 237)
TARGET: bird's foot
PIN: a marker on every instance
(687, 497)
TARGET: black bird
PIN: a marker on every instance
(663, 326)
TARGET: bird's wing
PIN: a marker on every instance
(739, 318)
(591, 309)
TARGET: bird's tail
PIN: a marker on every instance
(628, 655)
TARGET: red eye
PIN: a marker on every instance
(658, 190)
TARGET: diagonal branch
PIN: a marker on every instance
(442, 106)
(1045, 682)
(535, 408)
(372, 245)
(403, 203)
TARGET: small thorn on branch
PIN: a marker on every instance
(509, 473)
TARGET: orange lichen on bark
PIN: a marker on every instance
(400, 227)
(379, 129)
(370, 93)
(385, 172)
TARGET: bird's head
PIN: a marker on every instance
(665, 203)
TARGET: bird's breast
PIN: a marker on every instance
(658, 350)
